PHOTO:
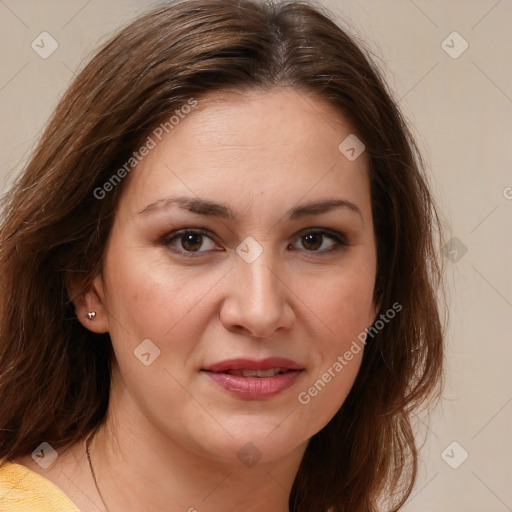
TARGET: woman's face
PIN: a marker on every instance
(228, 250)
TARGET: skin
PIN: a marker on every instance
(171, 436)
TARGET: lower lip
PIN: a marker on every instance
(255, 388)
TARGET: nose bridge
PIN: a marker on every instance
(259, 280)
(257, 301)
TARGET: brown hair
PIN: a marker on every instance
(55, 374)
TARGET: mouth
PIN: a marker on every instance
(240, 364)
(252, 379)
(271, 372)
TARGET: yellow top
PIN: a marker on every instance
(23, 490)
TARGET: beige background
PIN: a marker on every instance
(461, 112)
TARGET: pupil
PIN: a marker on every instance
(192, 241)
(314, 240)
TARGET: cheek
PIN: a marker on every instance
(346, 310)
(324, 393)
(343, 312)
(341, 302)
(149, 293)
(341, 309)
(149, 299)
(338, 348)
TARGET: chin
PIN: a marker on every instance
(249, 442)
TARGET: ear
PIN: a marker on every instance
(90, 298)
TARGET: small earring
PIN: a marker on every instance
(91, 315)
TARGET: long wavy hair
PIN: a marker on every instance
(55, 375)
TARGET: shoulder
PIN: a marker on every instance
(23, 490)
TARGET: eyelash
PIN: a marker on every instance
(339, 238)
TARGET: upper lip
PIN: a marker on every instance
(241, 363)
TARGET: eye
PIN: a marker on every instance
(315, 240)
(190, 241)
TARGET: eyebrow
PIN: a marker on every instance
(213, 209)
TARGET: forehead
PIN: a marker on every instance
(253, 145)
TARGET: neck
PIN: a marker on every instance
(137, 464)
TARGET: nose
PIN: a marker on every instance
(257, 300)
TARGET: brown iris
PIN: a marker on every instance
(192, 241)
(312, 241)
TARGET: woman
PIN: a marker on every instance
(218, 276)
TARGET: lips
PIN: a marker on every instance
(242, 364)
(250, 379)
(271, 372)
